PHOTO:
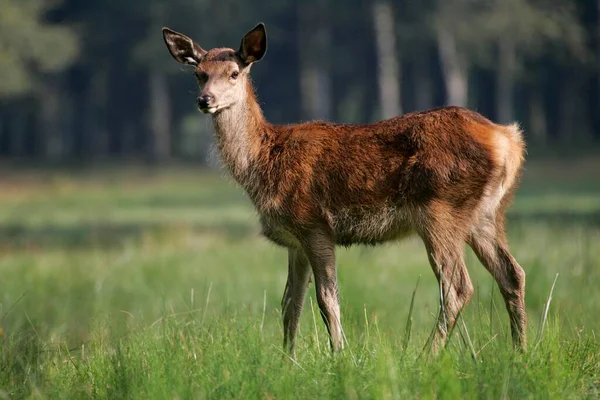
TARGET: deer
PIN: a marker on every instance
(447, 175)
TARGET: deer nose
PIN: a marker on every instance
(204, 100)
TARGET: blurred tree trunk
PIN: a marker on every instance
(96, 115)
(423, 82)
(598, 69)
(537, 116)
(79, 134)
(17, 128)
(160, 117)
(4, 138)
(568, 129)
(505, 79)
(67, 122)
(454, 69)
(49, 135)
(387, 55)
(314, 43)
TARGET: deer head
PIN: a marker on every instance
(222, 73)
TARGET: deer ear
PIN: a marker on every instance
(254, 45)
(182, 48)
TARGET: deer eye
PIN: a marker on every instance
(234, 74)
(201, 76)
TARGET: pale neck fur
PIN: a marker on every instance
(239, 129)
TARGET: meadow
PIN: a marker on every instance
(124, 283)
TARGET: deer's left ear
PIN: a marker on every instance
(254, 45)
(182, 48)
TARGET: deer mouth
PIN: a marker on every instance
(208, 110)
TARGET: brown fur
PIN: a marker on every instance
(445, 174)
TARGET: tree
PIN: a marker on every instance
(388, 59)
(314, 47)
(523, 30)
(32, 52)
(598, 66)
(31, 46)
(121, 95)
(457, 42)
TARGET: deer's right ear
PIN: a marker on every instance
(182, 48)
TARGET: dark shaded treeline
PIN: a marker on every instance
(86, 80)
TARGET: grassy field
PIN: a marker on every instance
(125, 284)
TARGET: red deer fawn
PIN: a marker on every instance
(446, 174)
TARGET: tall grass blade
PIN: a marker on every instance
(262, 321)
(367, 337)
(492, 307)
(545, 315)
(312, 309)
(13, 305)
(207, 303)
(468, 340)
(409, 319)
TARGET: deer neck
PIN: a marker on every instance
(239, 130)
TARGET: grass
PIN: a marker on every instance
(129, 285)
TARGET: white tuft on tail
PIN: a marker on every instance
(514, 156)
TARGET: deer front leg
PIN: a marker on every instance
(293, 296)
(320, 249)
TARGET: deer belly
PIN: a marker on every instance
(278, 234)
(360, 226)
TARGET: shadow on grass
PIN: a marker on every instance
(107, 235)
(112, 234)
(589, 219)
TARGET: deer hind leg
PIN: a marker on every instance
(293, 296)
(445, 251)
(488, 241)
(320, 249)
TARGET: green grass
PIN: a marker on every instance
(124, 285)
